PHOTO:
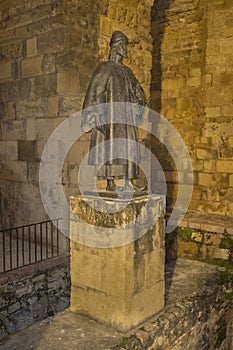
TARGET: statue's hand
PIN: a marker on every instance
(90, 122)
(99, 120)
(139, 114)
(100, 123)
(93, 120)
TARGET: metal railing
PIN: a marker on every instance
(28, 244)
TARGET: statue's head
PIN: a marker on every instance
(118, 37)
(118, 44)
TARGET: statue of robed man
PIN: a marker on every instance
(112, 110)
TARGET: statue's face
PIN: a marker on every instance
(121, 49)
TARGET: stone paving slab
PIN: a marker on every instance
(69, 331)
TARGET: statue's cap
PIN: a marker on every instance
(118, 36)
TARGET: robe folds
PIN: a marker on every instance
(116, 99)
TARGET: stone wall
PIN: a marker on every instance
(49, 50)
(198, 237)
(192, 88)
(42, 81)
(198, 312)
(33, 293)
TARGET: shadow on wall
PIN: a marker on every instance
(158, 25)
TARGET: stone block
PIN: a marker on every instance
(27, 150)
(148, 60)
(226, 111)
(13, 130)
(230, 140)
(198, 165)
(209, 165)
(187, 249)
(6, 71)
(194, 81)
(208, 78)
(40, 148)
(31, 47)
(205, 179)
(212, 227)
(111, 281)
(56, 40)
(11, 150)
(44, 86)
(86, 269)
(78, 151)
(206, 153)
(212, 239)
(32, 108)
(11, 112)
(231, 181)
(105, 26)
(33, 172)
(220, 253)
(195, 72)
(172, 84)
(14, 171)
(13, 308)
(115, 311)
(53, 107)
(197, 237)
(224, 166)
(213, 112)
(70, 105)
(45, 126)
(2, 150)
(153, 272)
(32, 66)
(31, 129)
(67, 83)
(226, 46)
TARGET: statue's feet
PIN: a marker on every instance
(129, 187)
(111, 187)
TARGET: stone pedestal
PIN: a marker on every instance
(117, 258)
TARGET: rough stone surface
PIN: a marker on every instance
(191, 86)
(203, 237)
(194, 318)
(33, 293)
(110, 279)
(48, 53)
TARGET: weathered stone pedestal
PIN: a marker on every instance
(118, 285)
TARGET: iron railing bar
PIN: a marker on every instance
(35, 239)
(41, 241)
(29, 244)
(57, 238)
(17, 248)
(23, 252)
(51, 230)
(10, 249)
(4, 253)
(46, 239)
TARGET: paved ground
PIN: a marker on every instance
(65, 331)
(68, 331)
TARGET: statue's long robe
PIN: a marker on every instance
(112, 83)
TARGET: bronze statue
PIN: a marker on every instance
(108, 116)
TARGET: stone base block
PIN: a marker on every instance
(119, 285)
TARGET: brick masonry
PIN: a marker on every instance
(48, 53)
(45, 71)
(191, 86)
